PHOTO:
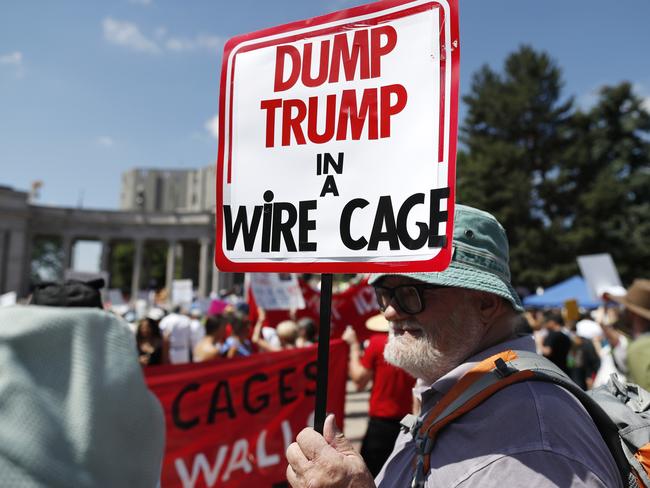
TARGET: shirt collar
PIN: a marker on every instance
(432, 394)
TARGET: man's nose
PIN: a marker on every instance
(393, 313)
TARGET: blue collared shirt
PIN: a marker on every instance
(530, 434)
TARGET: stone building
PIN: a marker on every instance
(190, 227)
(173, 190)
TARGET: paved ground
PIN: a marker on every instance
(356, 414)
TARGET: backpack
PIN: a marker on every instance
(621, 411)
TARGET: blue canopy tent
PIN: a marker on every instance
(554, 296)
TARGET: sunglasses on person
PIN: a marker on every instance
(409, 298)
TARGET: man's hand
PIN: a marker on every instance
(328, 460)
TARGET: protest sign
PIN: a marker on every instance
(182, 293)
(277, 291)
(353, 306)
(71, 274)
(8, 299)
(228, 423)
(337, 142)
(599, 271)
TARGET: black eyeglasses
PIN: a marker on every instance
(408, 297)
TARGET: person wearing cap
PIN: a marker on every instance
(637, 308)
(441, 325)
(75, 408)
(390, 397)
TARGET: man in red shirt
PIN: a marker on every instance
(391, 397)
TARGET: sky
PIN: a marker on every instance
(89, 89)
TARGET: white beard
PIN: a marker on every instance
(441, 348)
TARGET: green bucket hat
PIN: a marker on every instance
(479, 257)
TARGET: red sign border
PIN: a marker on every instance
(438, 262)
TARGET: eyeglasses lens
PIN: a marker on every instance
(384, 297)
(408, 299)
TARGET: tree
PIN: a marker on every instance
(608, 181)
(122, 255)
(47, 259)
(514, 137)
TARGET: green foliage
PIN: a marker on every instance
(122, 255)
(562, 181)
(47, 259)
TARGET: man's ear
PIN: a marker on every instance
(490, 306)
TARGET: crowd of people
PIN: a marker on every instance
(434, 329)
(593, 346)
(224, 332)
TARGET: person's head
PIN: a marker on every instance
(147, 330)
(241, 325)
(307, 329)
(71, 293)
(437, 320)
(553, 320)
(287, 331)
(637, 306)
(215, 326)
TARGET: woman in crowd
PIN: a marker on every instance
(152, 347)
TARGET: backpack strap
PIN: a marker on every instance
(484, 380)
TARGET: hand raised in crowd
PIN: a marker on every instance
(327, 460)
(349, 336)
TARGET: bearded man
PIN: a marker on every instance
(441, 325)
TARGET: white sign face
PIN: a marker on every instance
(182, 293)
(277, 291)
(338, 142)
(601, 275)
(8, 299)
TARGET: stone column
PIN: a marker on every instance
(4, 234)
(204, 267)
(67, 252)
(215, 276)
(171, 266)
(104, 262)
(27, 263)
(137, 268)
(14, 278)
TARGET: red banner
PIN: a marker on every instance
(352, 306)
(229, 422)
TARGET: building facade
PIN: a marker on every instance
(22, 222)
(173, 190)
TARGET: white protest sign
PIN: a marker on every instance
(601, 275)
(277, 291)
(337, 144)
(182, 293)
(71, 274)
(8, 299)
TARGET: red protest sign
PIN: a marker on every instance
(352, 306)
(337, 144)
(228, 423)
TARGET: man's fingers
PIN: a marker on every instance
(297, 460)
(292, 478)
(311, 443)
(330, 429)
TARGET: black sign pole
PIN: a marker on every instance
(323, 350)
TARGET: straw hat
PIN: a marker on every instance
(377, 323)
(637, 298)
